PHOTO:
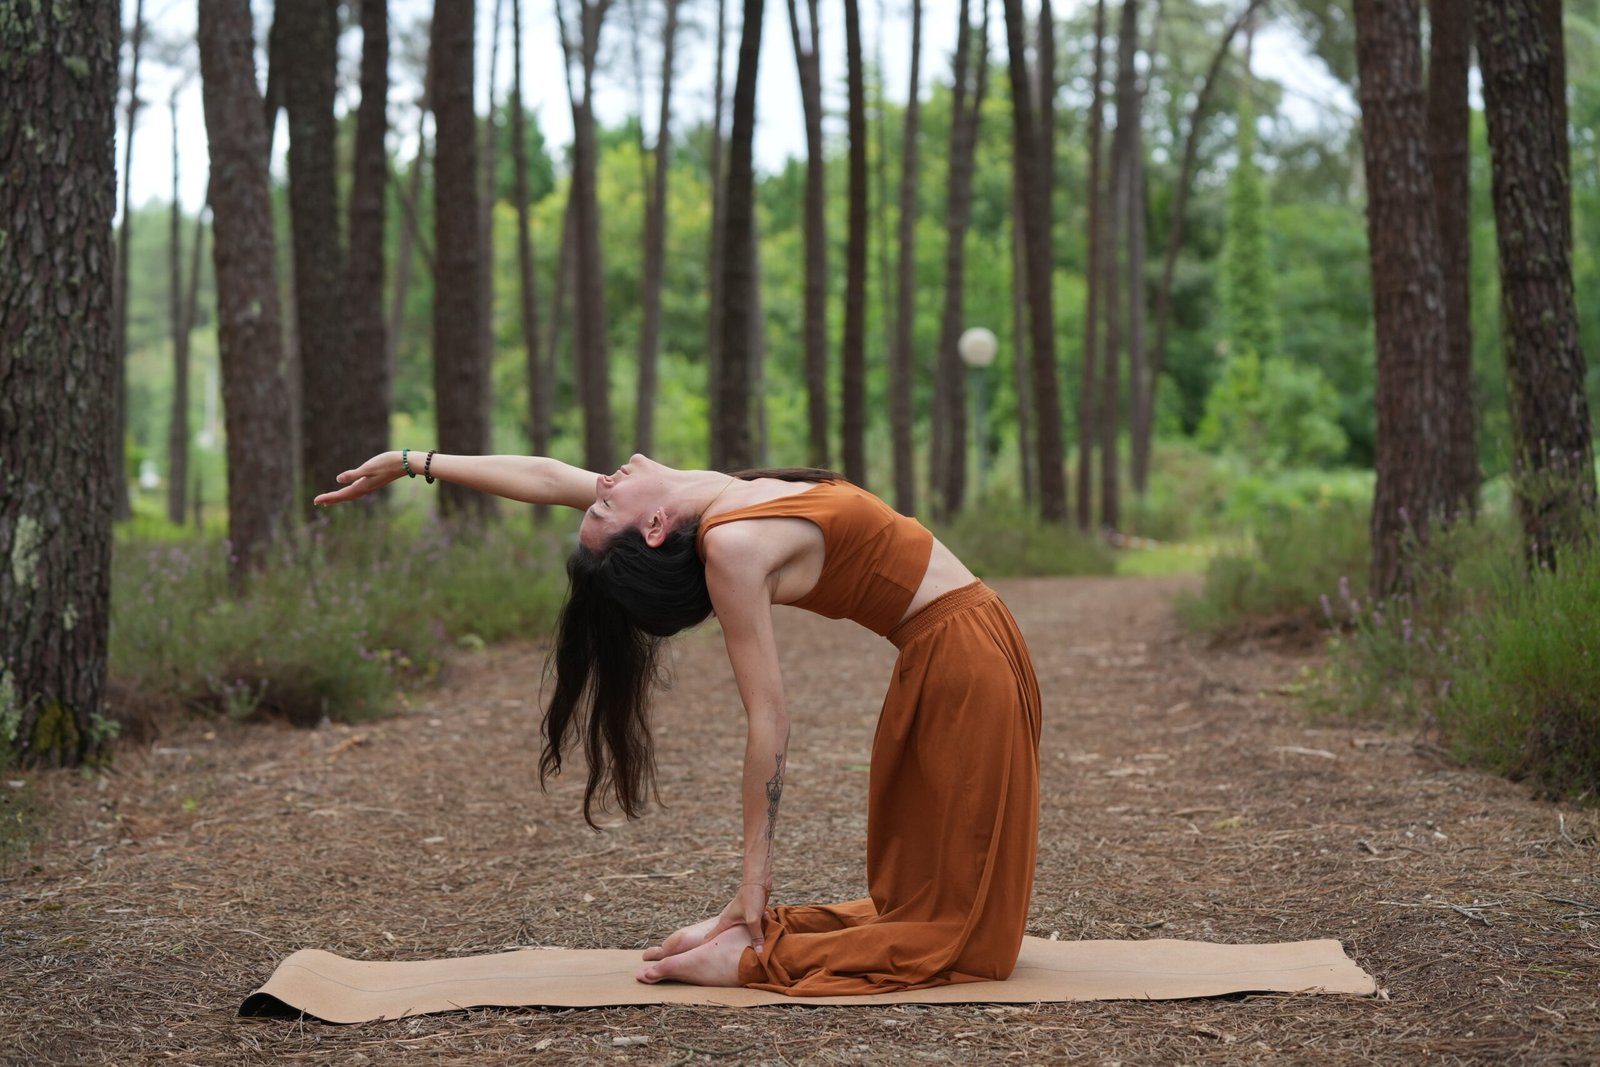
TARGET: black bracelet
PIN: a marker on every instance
(427, 465)
(405, 464)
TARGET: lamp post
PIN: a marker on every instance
(977, 347)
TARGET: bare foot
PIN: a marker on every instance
(715, 963)
(689, 937)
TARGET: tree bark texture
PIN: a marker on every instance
(655, 243)
(58, 78)
(1026, 456)
(719, 225)
(527, 275)
(1037, 183)
(1123, 145)
(369, 397)
(460, 365)
(310, 68)
(1407, 288)
(1138, 298)
(1450, 160)
(853, 349)
(178, 415)
(249, 332)
(123, 507)
(731, 445)
(1553, 463)
(490, 170)
(1088, 398)
(815, 322)
(902, 369)
(948, 469)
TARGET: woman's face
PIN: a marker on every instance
(635, 496)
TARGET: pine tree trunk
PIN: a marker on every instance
(948, 469)
(1026, 457)
(902, 368)
(1123, 145)
(527, 276)
(249, 333)
(460, 365)
(655, 244)
(719, 225)
(814, 326)
(1407, 289)
(490, 177)
(178, 416)
(1138, 383)
(731, 446)
(121, 505)
(1553, 464)
(321, 311)
(1037, 184)
(1450, 161)
(369, 397)
(58, 374)
(1088, 399)
(853, 353)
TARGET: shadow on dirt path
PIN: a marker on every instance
(1184, 794)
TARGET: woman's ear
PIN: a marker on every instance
(655, 535)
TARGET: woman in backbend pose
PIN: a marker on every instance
(952, 807)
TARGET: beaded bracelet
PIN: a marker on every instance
(405, 464)
(427, 465)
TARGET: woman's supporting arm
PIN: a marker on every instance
(531, 479)
(742, 595)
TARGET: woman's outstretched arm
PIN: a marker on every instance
(531, 479)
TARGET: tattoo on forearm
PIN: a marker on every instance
(774, 794)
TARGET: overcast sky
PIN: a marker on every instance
(779, 128)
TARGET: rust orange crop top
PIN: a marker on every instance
(874, 557)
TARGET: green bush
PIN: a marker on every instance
(1525, 700)
(1299, 558)
(337, 619)
(1000, 538)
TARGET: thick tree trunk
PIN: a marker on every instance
(1553, 465)
(249, 333)
(655, 243)
(1180, 201)
(948, 469)
(527, 276)
(1088, 399)
(902, 369)
(1138, 373)
(1450, 160)
(1037, 183)
(853, 349)
(731, 447)
(490, 177)
(460, 365)
(121, 505)
(368, 401)
(1123, 146)
(814, 326)
(1407, 288)
(321, 312)
(57, 374)
(178, 416)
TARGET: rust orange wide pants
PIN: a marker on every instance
(952, 820)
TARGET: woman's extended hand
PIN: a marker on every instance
(371, 476)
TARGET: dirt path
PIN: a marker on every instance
(1183, 796)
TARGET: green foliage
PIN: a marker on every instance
(1274, 412)
(999, 538)
(350, 610)
(1299, 555)
(1250, 320)
(1525, 700)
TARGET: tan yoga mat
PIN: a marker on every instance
(337, 990)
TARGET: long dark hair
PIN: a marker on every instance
(622, 603)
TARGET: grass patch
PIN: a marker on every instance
(342, 614)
